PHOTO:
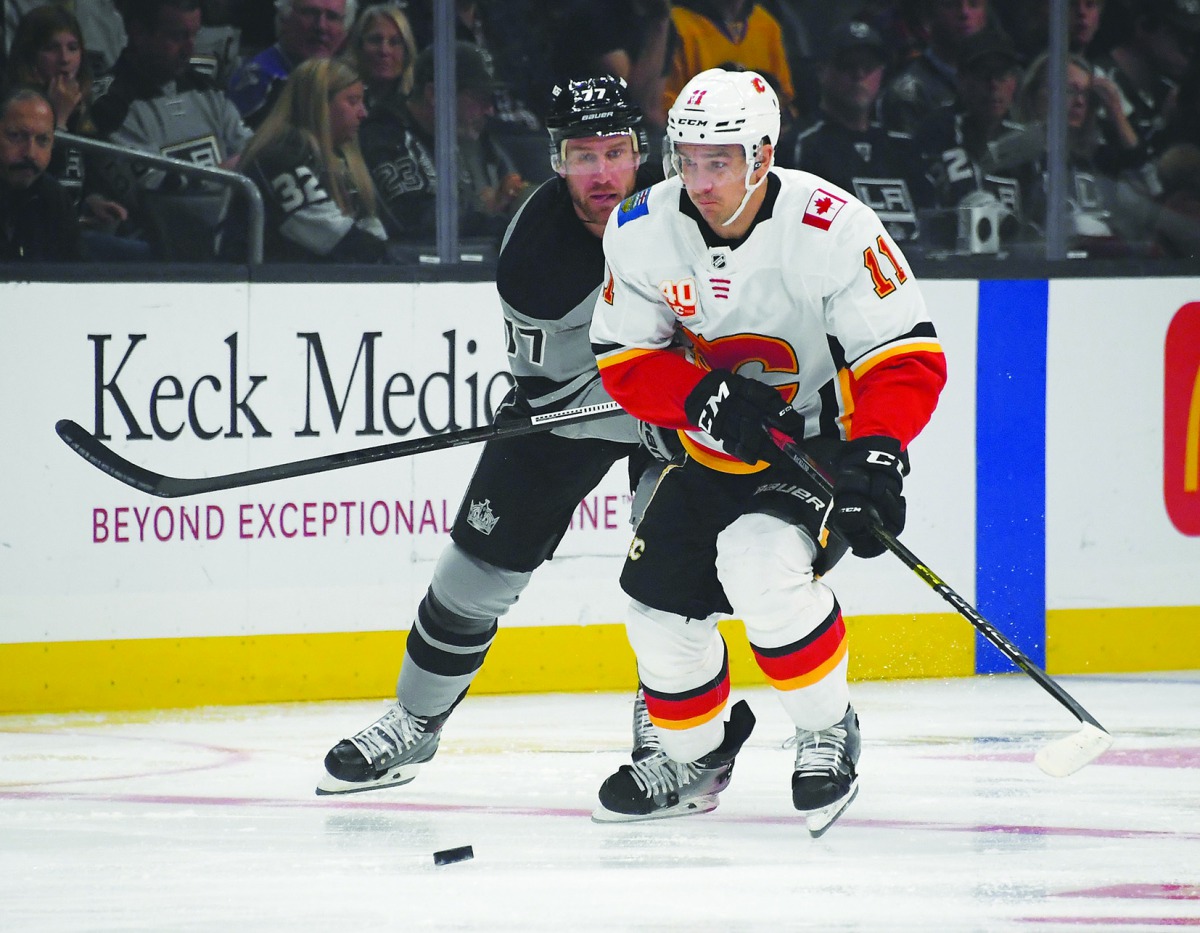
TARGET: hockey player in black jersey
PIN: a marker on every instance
(524, 490)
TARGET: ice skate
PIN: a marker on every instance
(825, 780)
(655, 787)
(387, 753)
(644, 736)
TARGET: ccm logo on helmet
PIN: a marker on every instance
(689, 121)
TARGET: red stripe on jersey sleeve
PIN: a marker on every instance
(897, 398)
(652, 385)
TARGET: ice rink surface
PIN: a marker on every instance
(206, 820)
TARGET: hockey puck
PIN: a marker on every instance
(450, 856)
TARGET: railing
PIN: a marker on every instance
(254, 201)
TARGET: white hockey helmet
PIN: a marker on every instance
(722, 107)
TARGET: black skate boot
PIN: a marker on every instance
(825, 780)
(655, 787)
(387, 753)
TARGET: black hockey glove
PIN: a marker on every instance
(738, 411)
(867, 488)
(513, 407)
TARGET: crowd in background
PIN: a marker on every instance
(934, 112)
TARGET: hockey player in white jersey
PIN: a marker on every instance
(744, 300)
(525, 489)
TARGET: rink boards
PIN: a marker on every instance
(1055, 488)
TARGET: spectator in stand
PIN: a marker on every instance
(1083, 24)
(305, 29)
(731, 34)
(1183, 120)
(928, 81)
(512, 36)
(304, 158)
(38, 223)
(845, 145)
(1091, 197)
(49, 53)
(954, 141)
(400, 154)
(157, 103)
(1157, 40)
(99, 20)
(1177, 227)
(385, 53)
(626, 38)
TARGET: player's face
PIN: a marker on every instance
(601, 172)
(26, 138)
(346, 113)
(384, 52)
(715, 178)
(61, 56)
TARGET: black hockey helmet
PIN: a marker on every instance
(595, 106)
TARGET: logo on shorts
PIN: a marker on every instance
(481, 517)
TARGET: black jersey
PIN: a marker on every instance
(879, 166)
(547, 314)
(955, 155)
(303, 222)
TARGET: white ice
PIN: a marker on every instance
(206, 820)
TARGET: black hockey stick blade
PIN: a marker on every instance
(1062, 756)
(173, 487)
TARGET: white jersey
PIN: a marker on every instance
(812, 299)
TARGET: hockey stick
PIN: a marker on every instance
(172, 487)
(1062, 756)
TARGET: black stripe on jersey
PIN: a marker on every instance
(534, 387)
(830, 410)
(923, 329)
(601, 348)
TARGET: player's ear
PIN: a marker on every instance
(762, 164)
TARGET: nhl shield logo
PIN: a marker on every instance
(718, 259)
(481, 517)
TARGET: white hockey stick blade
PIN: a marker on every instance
(1067, 755)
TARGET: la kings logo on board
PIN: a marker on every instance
(481, 517)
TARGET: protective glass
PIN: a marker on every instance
(703, 169)
(594, 155)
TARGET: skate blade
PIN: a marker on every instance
(819, 820)
(689, 808)
(394, 778)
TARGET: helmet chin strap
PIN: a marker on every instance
(753, 165)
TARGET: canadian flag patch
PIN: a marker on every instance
(823, 206)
